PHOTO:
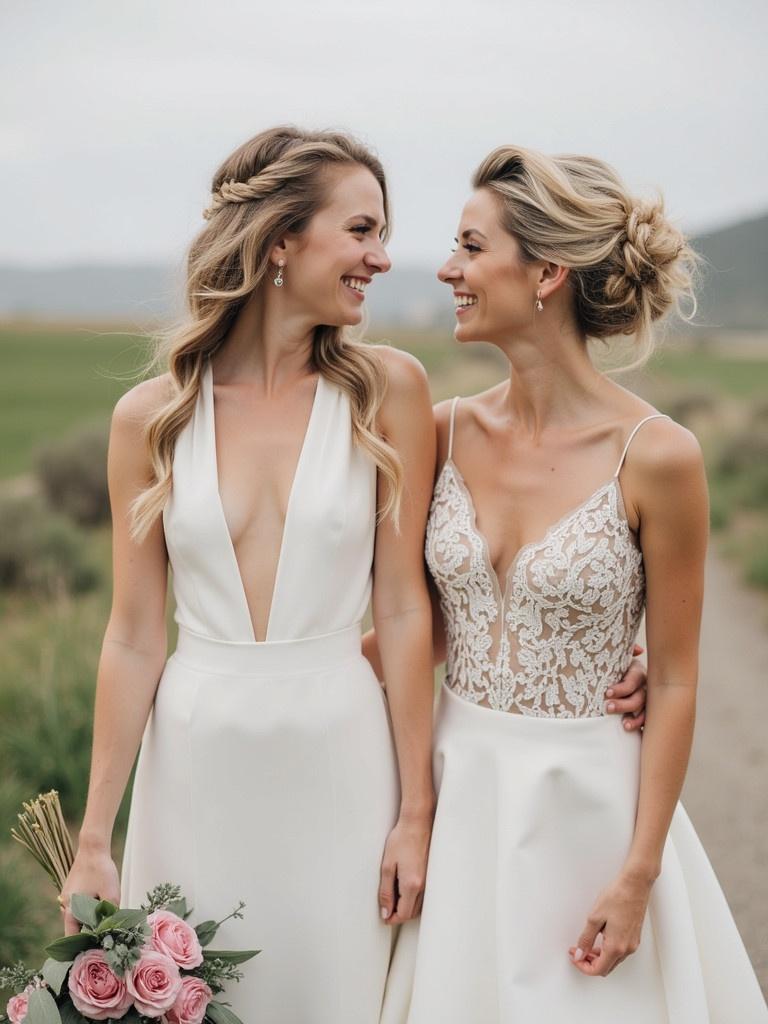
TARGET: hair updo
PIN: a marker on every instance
(629, 265)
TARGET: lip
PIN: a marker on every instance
(360, 296)
(463, 310)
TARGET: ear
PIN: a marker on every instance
(279, 251)
(551, 277)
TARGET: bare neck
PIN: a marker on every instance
(553, 384)
(266, 346)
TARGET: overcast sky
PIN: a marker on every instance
(114, 115)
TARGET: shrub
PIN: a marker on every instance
(73, 475)
(757, 566)
(40, 551)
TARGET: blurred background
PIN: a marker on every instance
(113, 119)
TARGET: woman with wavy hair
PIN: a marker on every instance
(565, 882)
(283, 470)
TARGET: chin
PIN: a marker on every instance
(464, 333)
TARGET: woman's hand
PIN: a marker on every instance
(617, 917)
(404, 870)
(93, 873)
(627, 698)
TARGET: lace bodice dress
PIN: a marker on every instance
(538, 792)
(562, 629)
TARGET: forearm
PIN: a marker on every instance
(666, 748)
(373, 654)
(404, 642)
(126, 684)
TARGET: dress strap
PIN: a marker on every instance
(452, 421)
(655, 416)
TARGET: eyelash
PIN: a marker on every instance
(362, 228)
(469, 247)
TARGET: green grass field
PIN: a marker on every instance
(55, 380)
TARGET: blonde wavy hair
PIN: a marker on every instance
(271, 185)
(629, 266)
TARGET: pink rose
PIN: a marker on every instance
(154, 982)
(17, 1007)
(175, 938)
(96, 990)
(192, 1003)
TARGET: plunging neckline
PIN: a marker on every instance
(501, 594)
(240, 584)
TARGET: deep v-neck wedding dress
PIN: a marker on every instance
(538, 792)
(267, 770)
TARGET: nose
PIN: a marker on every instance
(377, 260)
(449, 272)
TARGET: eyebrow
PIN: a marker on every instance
(471, 231)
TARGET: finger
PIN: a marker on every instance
(634, 722)
(633, 679)
(587, 939)
(637, 650)
(387, 891)
(406, 904)
(71, 924)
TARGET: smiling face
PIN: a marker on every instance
(494, 287)
(330, 264)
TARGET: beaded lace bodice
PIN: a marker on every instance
(563, 628)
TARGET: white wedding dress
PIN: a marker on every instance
(267, 771)
(538, 792)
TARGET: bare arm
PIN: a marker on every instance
(669, 474)
(402, 619)
(133, 651)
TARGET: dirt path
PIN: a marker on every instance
(726, 792)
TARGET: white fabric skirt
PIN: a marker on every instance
(534, 817)
(267, 773)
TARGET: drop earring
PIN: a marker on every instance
(278, 281)
(539, 303)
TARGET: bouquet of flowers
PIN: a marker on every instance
(134, 965)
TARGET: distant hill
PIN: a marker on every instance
(733, 294)
(734, 290)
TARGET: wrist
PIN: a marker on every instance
(418, 811)
(94, 841)
(641, 872)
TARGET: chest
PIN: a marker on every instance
(259, 447)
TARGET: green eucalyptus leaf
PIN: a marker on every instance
(41, 1008)
(54, 972)
(69, 1015)
(105, 908)
(218, 1013)
(178, 907)
(84, 908)
(66, 947)
(122, 919)
(206, 931)
(230, 956)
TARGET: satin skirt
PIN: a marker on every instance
(267, 774)
(534, 817)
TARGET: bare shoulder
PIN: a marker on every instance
(404, 371)
(664, 451)
(137, 406)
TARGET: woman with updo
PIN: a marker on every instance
(565, 883)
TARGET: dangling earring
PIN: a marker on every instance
(539, 303)
(278, 281)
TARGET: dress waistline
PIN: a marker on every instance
(273, 656)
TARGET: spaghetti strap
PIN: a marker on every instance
(454, 403)
(654, 416)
